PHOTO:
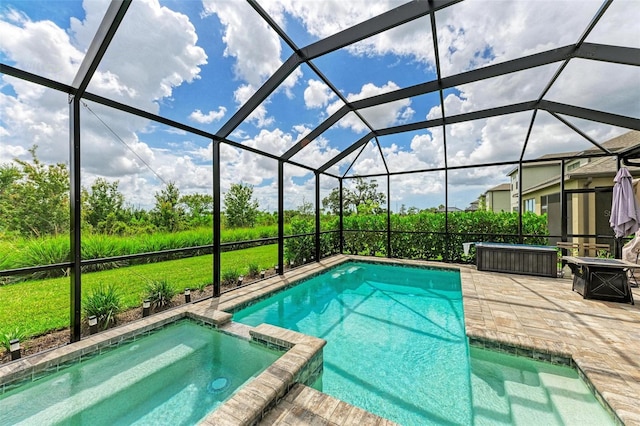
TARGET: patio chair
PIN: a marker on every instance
(631, 253)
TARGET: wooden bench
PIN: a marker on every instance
(596, 250)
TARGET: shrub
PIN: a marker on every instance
(160, 293)
(104, 302)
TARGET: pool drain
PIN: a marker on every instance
(218, 385)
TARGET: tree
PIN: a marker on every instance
(364, 198)
(168, 214)
(199, 208)
(240, 209)
(482, 202)
(306, 209)
(103, 205)
(37, 202)
(331, 203)
(9, 176)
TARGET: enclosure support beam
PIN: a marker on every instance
(317, 245)
(591, 115)
(389, 254)
(280, 217)
(520, 239)
(75, 204)
(260, 95)
(105, 33)
(341, 218)
(563, 205)
(216, 218)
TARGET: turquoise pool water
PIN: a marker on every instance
(174, 376)
(396, 346)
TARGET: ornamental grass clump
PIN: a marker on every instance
(104, 302)
(230, 276)
(160, 293)
(7, 337)
(254, 269)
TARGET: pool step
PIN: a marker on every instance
(305, 405)
(80, 401)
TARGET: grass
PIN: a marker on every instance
(39, 306)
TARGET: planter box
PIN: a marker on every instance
(517, 259)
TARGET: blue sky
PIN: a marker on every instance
(198, 61)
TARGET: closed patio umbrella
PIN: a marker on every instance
(625, 212)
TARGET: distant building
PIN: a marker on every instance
(473, 206)
(498, 198)
(590, 179)
(450, 209)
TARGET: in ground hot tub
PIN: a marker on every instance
(517, 259)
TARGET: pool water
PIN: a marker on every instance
(175, 376)
(396, 346)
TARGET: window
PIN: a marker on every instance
(573, 166)
(530, 205)
(545, 200)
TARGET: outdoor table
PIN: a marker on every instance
(601, 278)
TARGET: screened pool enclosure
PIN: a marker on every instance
(433, 103)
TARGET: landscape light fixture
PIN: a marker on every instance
(93, 324)
(276, 268)
(240, 280)
(14, 348)
(263, 273)
(146, 307)
(187, 295)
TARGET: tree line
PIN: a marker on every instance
(34, 201)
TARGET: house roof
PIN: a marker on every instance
(619, 143)
(595, 167)
(501, 187)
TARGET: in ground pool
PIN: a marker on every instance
(396, 346)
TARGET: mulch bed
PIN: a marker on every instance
(62, 337)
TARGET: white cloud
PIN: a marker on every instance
(507, 30)
(257, 52)
(209, 117)
(322, 19)
(248, 39)
(317, 94)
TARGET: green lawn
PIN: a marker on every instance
(36, 307)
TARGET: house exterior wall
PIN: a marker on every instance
(498, 201)
(532, 175)
(583, 215)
